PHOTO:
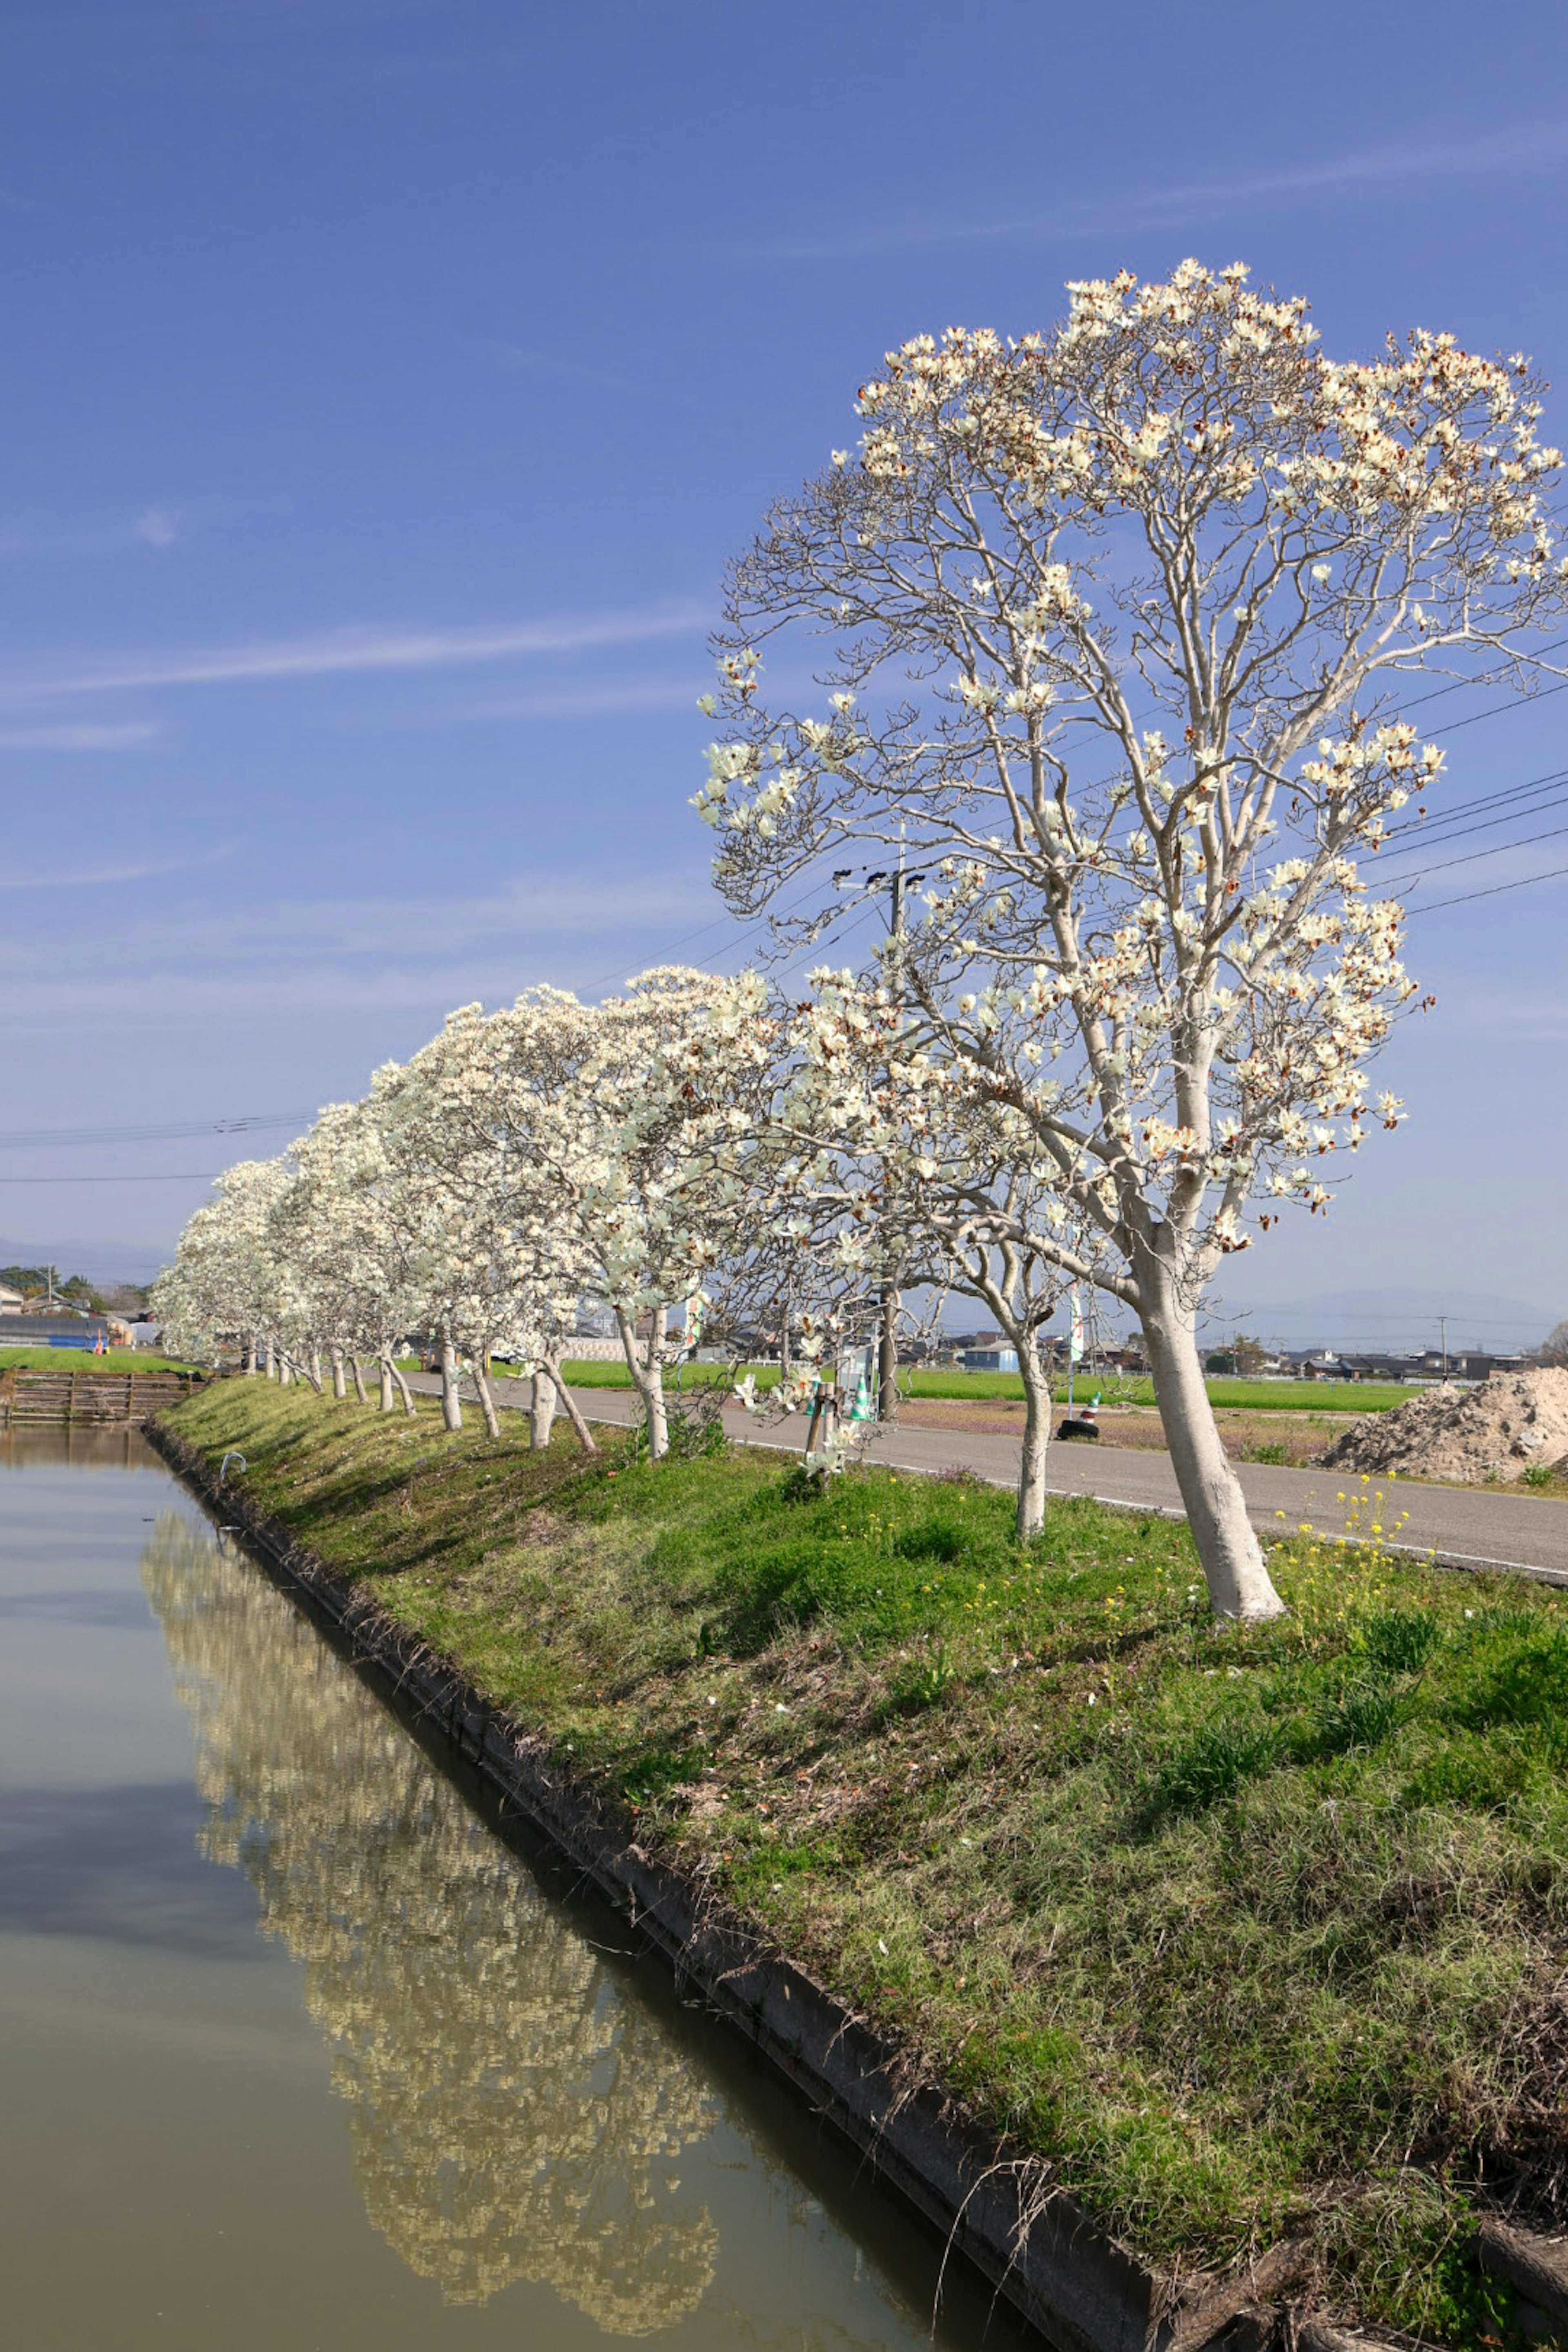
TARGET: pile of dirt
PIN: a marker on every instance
(1496, 1431)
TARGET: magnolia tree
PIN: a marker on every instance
(615, 1112)
(919, 1170)
(486, 1086)
(227, 1281)
(1115, 618)
(331, 1223)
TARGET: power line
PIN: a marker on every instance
(168, 1176)
(1552, 874)
(22, 1138)
(1473, 856)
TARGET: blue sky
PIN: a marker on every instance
(388, 384)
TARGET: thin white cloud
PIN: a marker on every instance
(1078, 221)
(160, 527)
(516, 359)
(154, 526)
(582, 702)
(113, 874)
(343, 652)
(282, 958)
(119, 735)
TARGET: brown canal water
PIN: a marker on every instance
(297, 2050)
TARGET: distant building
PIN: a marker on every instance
(57, 1331)
(989, 1360)
(11, 1301)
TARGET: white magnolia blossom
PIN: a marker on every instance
(1116, 615)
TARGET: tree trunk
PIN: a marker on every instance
(385, 1366)
(249, 1358)
(649, 1377)
(486, 1401)
(542, 1412)
(315, 1368)
(1232, 1558)
(358, 1378)
(451, 1403)
(1036, 1439)
(285, 1371)
(408, 1405)
(340, 1378)
(569, 1406)
(269, 1361)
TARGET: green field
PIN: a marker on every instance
(1251, 1396)
(1249, 1933)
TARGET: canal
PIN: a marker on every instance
(297, 2050)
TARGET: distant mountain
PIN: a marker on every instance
(1402, 1318)
(99, 1261)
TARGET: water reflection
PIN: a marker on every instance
(512, 2117)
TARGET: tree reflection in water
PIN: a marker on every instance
(512, 2117)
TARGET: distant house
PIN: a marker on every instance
(990, 1359)
(11, 1301)
(82, 1332)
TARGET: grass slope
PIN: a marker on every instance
(1245, 1933)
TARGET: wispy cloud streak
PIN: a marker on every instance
(117, 735)
(343, 652)
(1077, 221)
(114, 874)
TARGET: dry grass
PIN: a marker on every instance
(1245, 1932)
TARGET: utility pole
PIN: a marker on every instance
(888, 1347)
(1443, 1328)
(887, 1322)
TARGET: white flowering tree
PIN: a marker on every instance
(599, 1098)
(1116, 616)
(515, 1260)
(227, 1282)
(912, 1166)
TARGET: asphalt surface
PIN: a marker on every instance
(1476, 1527)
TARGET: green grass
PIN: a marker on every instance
(1266, 1396)
(82, 1359)
(1247, 1932)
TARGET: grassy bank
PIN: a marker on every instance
(1240, 1395)
(1247, 1934)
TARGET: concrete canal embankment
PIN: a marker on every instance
(1120, 1939)
(1084, 2292)
(99, 1399)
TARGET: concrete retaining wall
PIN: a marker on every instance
(1081, 2289)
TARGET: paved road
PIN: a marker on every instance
(1468, 1527)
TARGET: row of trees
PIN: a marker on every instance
(1105, 626)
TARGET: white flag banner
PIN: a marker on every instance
(1075, 1341)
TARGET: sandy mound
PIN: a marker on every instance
(1496, 1431)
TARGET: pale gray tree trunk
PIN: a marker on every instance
(358, 1378)
(1036, 1439)
(569, 1406)
(268, 1360)
(384, 1364)
(285, 1371)
(316, 1368)
(1232, 1558)
(403, 1390)
(486, 1401)
(340, 1378)
(249, 1358)
(649, 1377)
(540, 1412)
(451, 1403)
